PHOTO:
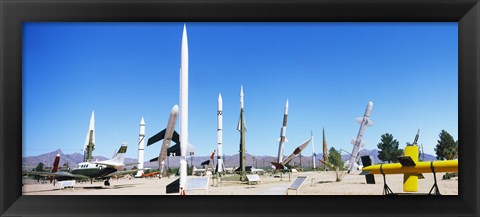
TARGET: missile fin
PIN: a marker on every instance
(154, 159)
(159, 136)
(362, 143)
(366, 172)
(369, 122)
(239, 123)
(176, 137)
(406, 161)
(359, 120)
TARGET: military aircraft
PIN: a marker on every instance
(93, 170)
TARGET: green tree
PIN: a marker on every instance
(447, 147)
(388, 148)
(335, 158)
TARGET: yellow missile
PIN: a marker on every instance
(411, 169)
(419, 167)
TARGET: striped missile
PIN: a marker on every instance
(295, 153)
(219, 134)
(283, 130)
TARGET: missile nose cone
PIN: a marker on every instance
(92, 118)
(184, 28)
(58, 155)
(174, 109)
(220, 102)
(241, 96)
(142, 122)
(286, 107)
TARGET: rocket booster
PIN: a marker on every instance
(242, 128)
(359, 142)
(141, 148)
(219, 133)
(295, 153)
(183, 109)
(90, 139)
(168, 137)
(282, 134)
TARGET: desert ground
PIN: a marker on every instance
(317, 183)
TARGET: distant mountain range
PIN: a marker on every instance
(230, 161)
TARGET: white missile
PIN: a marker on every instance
(219, 133)
(183, 110)
(90, 139)
(141, 148)
(359, 142)
(295, 153)
(283, 131)
(167, 138)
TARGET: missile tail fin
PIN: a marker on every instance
(359, 120)
(369, 123)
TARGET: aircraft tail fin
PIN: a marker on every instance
(119, 158)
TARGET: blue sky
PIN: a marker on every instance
(328, 72)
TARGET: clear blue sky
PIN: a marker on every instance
(328, 72)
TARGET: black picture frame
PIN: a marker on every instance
(14, 12)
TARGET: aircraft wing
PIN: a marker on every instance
(111, 164)
(119, 173)
(41, 173)
(59, 174)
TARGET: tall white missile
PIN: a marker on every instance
(167, 138)
(183, 110)
(219, 134)
(141, 148)
(282, 134)
(90, 139)
(359, 142)
(242, 127)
